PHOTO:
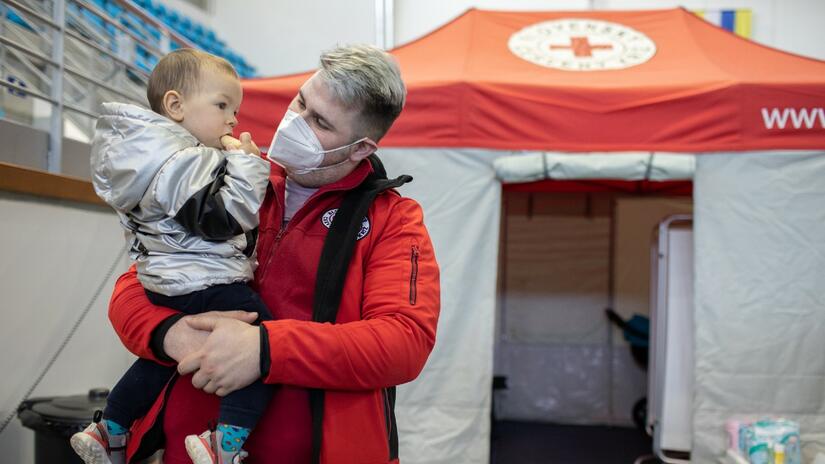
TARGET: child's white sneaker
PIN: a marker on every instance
(95, 446)
(205, 449)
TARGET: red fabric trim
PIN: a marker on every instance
(672, 188)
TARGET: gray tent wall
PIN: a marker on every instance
(760, 311)
(759, 300)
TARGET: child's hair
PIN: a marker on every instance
(180, 70)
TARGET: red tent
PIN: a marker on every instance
(586, 81)
(660, 80)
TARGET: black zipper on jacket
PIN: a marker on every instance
(272, 248)
(302, 211)
(413, 274)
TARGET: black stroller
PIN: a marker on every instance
(636, 331)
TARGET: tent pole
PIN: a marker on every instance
(384, 18)
(389, 24)
(500, 332)
(503, 266)
(611, 292)
(379, 23)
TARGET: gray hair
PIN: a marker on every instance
(368, 78)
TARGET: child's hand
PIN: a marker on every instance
(247, 145)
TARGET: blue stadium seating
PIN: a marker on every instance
(203, 37)
(15, 18)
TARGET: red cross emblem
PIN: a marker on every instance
(581, 47)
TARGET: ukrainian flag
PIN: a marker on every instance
(736, 21)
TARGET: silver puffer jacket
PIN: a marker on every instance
(190, 211)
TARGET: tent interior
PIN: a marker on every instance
(565, 258)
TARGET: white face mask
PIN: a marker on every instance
(297, 148)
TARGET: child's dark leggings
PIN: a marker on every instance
(138, 389)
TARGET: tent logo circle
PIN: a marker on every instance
(582, 45)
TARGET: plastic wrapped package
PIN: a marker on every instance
(770, 441)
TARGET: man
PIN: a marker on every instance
(386, 321)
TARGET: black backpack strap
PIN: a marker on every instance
(334, 263)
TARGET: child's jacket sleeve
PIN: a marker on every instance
(212, 194)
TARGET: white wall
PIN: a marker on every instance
(284, 37)
(414, 18)
(54, 256)
(280, 37)
(196, 14)
(790, 25)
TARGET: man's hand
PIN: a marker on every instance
(229, 359)
(182, 340)
(245, 144)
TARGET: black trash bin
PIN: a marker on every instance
(55, 419)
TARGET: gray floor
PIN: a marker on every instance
(536, 443)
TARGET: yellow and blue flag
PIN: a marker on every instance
(736, 21)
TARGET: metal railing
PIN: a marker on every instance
(62, 48)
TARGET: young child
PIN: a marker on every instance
(190, 213)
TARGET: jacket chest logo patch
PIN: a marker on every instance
(326, 220)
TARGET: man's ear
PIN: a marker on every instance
(172, 104)
(363, 149)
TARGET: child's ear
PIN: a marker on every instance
(173, 105)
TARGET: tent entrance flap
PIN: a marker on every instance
(647, 173)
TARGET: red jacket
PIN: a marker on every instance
(384, 333)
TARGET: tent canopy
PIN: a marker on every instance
(657, 80)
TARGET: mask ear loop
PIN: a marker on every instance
(345, 146)
(324, 168)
